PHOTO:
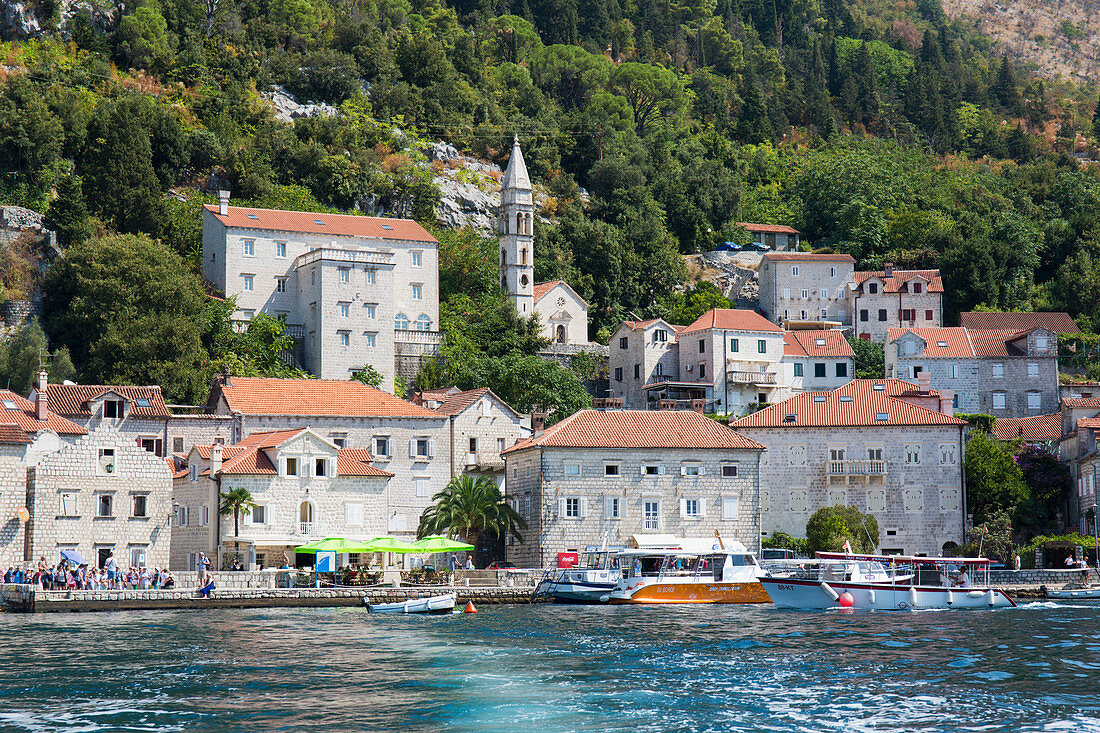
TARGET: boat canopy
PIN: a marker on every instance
(908, 559)
(689, 545)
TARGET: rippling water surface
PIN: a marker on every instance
(554, 668)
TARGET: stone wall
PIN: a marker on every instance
(539, 489)
(782, 296)
(494, 428)
(892, 303)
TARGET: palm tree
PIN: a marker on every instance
(236, 502)
(469, 507)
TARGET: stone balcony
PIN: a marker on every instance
(416, 343)
(743, 377)
(856, 471)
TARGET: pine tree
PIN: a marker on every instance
(121, 185)
(866, 86)
(1005, 90)
(818, 105)
(836, 74)
(68, 214)
(752, 122)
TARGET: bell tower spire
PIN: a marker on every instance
(517, 240)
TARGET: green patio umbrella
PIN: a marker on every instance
(388, 544)
(438, 543)
(334, 544)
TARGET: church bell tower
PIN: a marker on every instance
(517, 240)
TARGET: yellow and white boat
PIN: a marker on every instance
(689, 571)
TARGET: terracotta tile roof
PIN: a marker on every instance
(1082, 422)
(23, 416)
(249, 462)
(640, 325)
(1082, 402)
(12, 433)
(955, 341)
(823, 344)
(1056, 322)
(638, 429)
(228, 451)
(768, 228)
(314, 397)
(458, 402)
(996, 343)
(269, 439)
(832, 409)
(807, 257)
(1035, 427)
(541, 289)
(305, 222)
(900, 278)
(728, 319)
(356, 462)
(72, 399)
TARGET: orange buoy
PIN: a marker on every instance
(846, 600)
(469, 607)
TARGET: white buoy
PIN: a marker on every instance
(992, 597)
(828, 590)
(912, 597)
(950, 598)
(871, 597)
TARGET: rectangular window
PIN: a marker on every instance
(874, 454)
(637, 371)
(882, 314)
(106, 505)
(928, 315)
(423, 487)
(320, 467)
(344, 274)
(842, 369)
(205, 514)
(193, 473)
(421, 447)
(418, 292)
(345, 308)
(953, 371)
(999, 400)
(618, 374)
(572, 469)
(735, 345)
(691, 470)
(913, 500)
(291, 466)
(948, 456)
(137, 557)
(183, 516)
(798, 370)
(248, 280)
(998, 370)
(370, 277)
(345, 338)
(794, 270)
(280, 285)
(729, 471)
(651, 469)
(832, 272)
(280, 249)
(819, 370)
(787, 293)
(702, 346)
(1032, 369)
(651, 513)
(702, 370)
(761, 346)
(573, 508)
(872, 288)
(177, 445)
(797, 455)
(912, 454)
(612, 507)
(381, 447)
(372, 310)
(805, 293)
(1034, 400)
(690, 508)
(353, 514)
(501, 444)
(340, 440)
(798, 501)
(623, 342)
(729, 507)
(863, 314)
(918, 287)
(824, 293)
(418, 259)
(249, 247)
(67, 506)
(876, 500)
(371, 339)
(611, 469)
(949, 500)
(140, 505)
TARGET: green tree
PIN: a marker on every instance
(831, 526)
(261, 350)
(471, 508)
(1048, 482)
(31, 136)
(686, 306)
(369, 376)
(68, 214)
(21, 355)
(236, 501)
(649, 90)
(144, 41)
(130, 312)
(870, 358)
(994, 481)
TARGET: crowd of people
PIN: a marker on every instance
(72, 576)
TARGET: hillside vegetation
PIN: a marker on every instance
(881, 129)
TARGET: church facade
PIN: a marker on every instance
(562, 312)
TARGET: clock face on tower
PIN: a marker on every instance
(561, 301)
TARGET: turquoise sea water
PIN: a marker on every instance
(554, 668)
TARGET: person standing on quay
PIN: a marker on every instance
(112, 569)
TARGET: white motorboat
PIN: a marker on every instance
(433, 604)
(833, 580)
(1080, 593)
(594, 576)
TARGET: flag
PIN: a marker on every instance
(848, 547)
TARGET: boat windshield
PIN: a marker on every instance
(603, 560)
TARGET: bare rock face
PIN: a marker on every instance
(468, 188)
(18, 21)
(287, 108)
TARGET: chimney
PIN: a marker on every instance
(538, 423)
(215, 459)
(947, 399)
(888, 269)
(40, 401)
(924, 379)
(223, 203)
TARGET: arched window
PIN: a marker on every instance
(401, 322)
(529, 220)
(561, 334)
(305, 518)
(519, 223)
(503, 257)
(504, 283)
(423, 323)
(523, 256)
(523, 281)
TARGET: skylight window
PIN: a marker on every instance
(846, 398)
(790, 418)
(879, 387)
(142, 402)
(941, 343)
(253, 216)
(882, 416)
(819, 398)
(821, 342)
(10, 405)
(388, 227)
(319, 222)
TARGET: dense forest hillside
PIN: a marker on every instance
(881, 129)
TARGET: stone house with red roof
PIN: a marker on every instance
(890, 448)
(1000, 373)
(806, 287)
(893, 298)
(778, 237)
(481, 426)
(356, 290)
(818, 360)
(305, 487)
(600, 477)
(641, 353)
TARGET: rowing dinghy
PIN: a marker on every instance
(434, 604)
(1090, 593)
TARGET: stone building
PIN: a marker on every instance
(356, 290)
(642, 353)
(818, 360)
(1001, 373)
(887, 447)
(405, 439)
(601, 477)
(1056, 322)
(778, 237)
(805, 287)
(892, 298)
(480, 427)
(305, 487)
(100, 494)
(1041, 430)
(1077, 448)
